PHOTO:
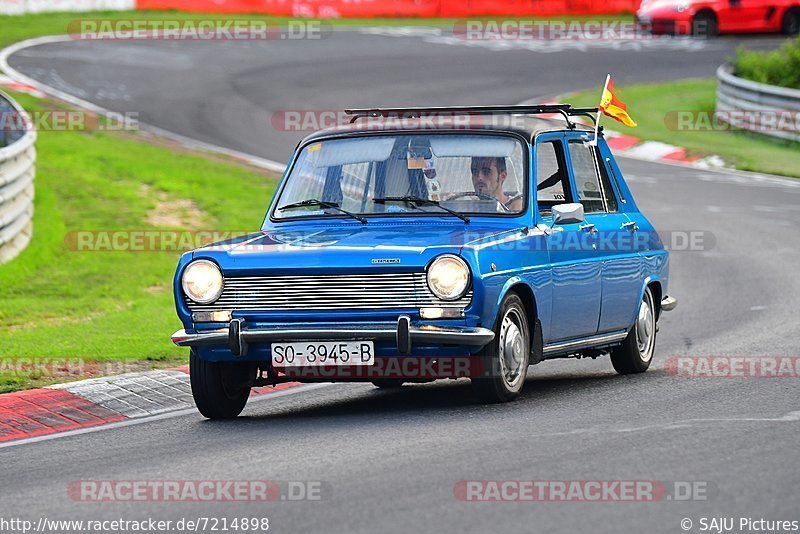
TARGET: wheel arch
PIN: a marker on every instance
(703, 11)
(793, 9)
(706, 10)
(654, 283)
(525, 293)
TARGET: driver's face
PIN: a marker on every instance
(485, 177)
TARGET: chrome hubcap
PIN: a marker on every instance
(645, 328)
(512, 348)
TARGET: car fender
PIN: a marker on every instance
(177, 291)
(647, 281)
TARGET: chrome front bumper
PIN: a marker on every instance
(668, 303)
(237, 336)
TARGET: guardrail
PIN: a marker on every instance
(17, 169)
(769, 109)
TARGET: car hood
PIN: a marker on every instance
(351, 248)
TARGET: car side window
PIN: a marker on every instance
(605, 181)
(552, 181)
(587, 181)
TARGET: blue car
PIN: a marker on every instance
(423, 243)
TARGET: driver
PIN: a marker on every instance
(488, 176)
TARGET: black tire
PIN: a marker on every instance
(504, 378)
(217, 386)
(791, 22)
(387, 383)
(704, 25)
(636, 352)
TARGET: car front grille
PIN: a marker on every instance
(327, 292)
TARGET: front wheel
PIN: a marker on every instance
(791, 22)
(636, 352)
(505, 359)
(220, 389)
(704, 25)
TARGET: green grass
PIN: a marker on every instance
(653, 107)
(15, 28)
(776, 67)
(58, 303)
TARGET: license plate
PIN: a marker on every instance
(322, 353)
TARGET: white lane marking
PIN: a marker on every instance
(442, 36)
(401, 31)
(791, 417)
(724, 175)
(709, 162)
(650, 150)
(159, 417)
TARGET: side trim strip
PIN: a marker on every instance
(585, 342)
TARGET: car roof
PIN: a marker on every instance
(524, 125)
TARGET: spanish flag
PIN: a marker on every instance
(613, 106)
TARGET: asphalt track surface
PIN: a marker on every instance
(390, 459)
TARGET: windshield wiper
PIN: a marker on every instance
(322, 204)
(420, 201)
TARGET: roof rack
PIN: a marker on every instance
(536, 109)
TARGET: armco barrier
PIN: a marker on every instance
(17, 169)
(736, 94)
(399, 8)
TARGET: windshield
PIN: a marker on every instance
(409, 174)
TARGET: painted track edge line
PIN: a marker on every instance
(158, 417)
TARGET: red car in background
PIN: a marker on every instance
(708, 18)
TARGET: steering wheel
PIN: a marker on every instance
(482, 196)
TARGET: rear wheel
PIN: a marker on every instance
(791, 22)
(636, 352)
(220, 389)
(387, 383)
(704, 25)
(505, 359)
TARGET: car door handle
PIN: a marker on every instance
(588, 228)
(632, 226)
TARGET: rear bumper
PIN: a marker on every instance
(237, 336)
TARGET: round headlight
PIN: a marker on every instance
(202, 281)
(448, 277)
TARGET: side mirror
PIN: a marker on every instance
(567, 213)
